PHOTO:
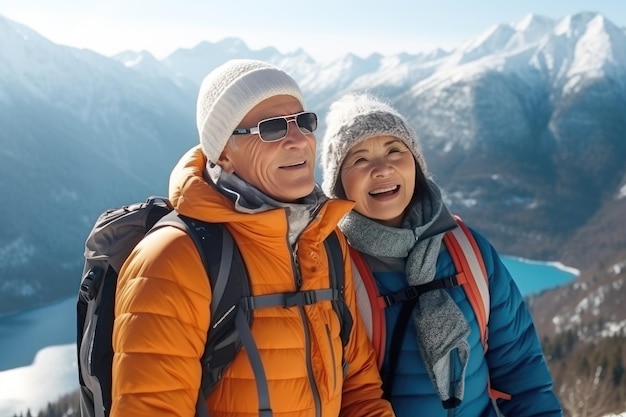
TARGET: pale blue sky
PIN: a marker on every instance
(325, 29)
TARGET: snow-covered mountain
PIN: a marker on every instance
(80, 132)
(523, 123)
(523, 127)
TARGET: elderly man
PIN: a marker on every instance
(253, 172)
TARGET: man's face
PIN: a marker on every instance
(284, 170)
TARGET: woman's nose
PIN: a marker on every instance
(381, 167)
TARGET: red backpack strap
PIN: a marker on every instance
(371, 304)
(472, 274)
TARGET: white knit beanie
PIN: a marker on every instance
(352, 119)
(229, 92)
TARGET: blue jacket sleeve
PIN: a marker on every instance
(515, 358)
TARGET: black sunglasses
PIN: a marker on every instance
(276, 128)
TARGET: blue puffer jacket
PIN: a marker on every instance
(514, 359)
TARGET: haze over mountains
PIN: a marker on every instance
(523, 126)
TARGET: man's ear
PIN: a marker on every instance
(225, 161)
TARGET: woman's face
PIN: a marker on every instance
(379, 175)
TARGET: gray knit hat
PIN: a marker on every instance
(229, 92)
(352, 119)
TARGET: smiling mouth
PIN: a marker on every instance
(383, 192)
(297, 164)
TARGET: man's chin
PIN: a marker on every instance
(293, 193)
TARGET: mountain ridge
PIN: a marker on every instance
(521, 124)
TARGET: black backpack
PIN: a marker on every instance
(115, 234)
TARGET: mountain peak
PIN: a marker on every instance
(16, 40)
(491, 40)
(600, 46)
(131, 59)
(534, 24)
(232, 44)
(574, 25)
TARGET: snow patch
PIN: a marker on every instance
(53, 373)
(613, 329)
(618, 268)
(18, 252)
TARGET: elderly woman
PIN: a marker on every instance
(434, 363)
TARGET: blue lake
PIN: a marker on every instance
(23, 334)
(533, 277)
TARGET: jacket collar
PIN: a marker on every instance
(195, 196)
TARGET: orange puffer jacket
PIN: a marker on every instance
(162, 316)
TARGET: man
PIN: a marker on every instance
(254, 172)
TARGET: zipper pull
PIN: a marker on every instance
(294, 256)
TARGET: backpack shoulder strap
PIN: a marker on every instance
(219, 254)
(232, 302)
(471, 273)
(371, 304)
(229, 283)
(470, 267)
(337, 282)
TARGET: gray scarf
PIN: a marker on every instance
(441, 326)
(249, 199)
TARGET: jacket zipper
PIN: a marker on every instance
(332, 355)
(295, 265)
(297, 273)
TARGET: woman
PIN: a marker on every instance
(371, 155)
